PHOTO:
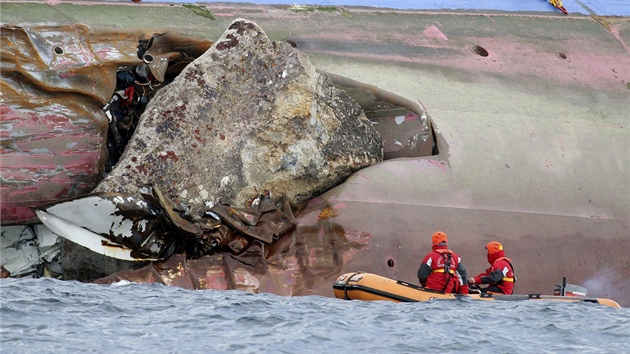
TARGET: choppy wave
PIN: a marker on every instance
(51, 316)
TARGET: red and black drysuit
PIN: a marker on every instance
(443, 270)
(500, 275)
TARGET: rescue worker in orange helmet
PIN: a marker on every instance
(442, 269)
(500, 275)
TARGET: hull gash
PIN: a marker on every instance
(372, 287)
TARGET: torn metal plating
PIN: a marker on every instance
(154, 227)
(135, 86)
(29, 251)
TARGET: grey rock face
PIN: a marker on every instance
(249, 115)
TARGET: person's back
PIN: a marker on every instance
(442, 269)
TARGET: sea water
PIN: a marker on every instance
(53, 316)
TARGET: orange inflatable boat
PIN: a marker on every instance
(369, 287)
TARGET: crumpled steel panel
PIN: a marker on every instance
(55, 81)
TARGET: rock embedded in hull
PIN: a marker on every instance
(248, 115)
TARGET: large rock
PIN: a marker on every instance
(249, 115)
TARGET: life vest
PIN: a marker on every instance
(447, 256)
(509, 279)
(506, 284)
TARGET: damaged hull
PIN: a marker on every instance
(54, 129)
(56, 146)
(531, 146)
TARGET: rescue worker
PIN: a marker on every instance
(500, 275)
(442, 269)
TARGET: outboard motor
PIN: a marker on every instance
(565, 289)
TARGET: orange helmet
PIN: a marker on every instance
(494, 247)
(439, 237)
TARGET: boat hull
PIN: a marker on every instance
(372, 287)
